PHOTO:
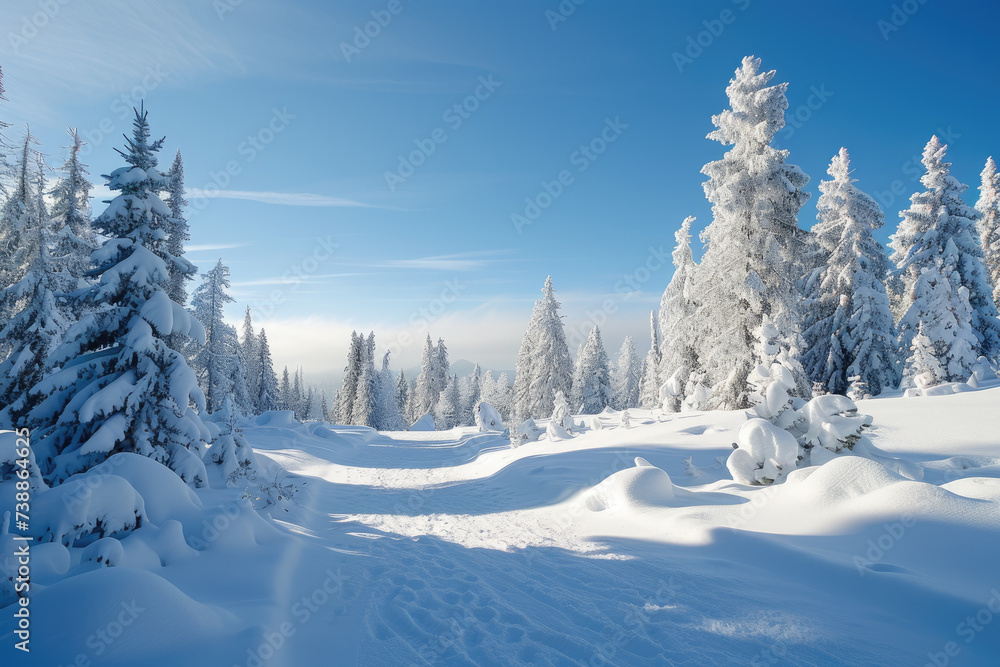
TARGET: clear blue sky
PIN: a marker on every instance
(212, 77)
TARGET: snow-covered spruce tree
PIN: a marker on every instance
(425, 394)
(988, 208)
(230, 450)
(923, 366)
(285, 400)
(442, 367)
(176, 229)
(324, 407)
(677, 324)
(543, 364)
(403, 398)
(3, 142)
(937, 216)
(446, 413)
(36, 328)
(266, 381)
(391, 403)
(251, 362)
(470, 391)
(217, 363)
(649, 385)
(352, 374)
(121, 388)
(365, 407)
(73, 236)
(849, 328)
(748, 270)
(944, 315)
(592, 381)
(20, 219)
(298, 394)
(625, 377)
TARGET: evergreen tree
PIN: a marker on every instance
(20, 220)
(649, 385)
(251, 360)
(749, 268)
(176, 229)
(425, 394)
(471, 392)
(678, 353)
(73, 237)
(448, 407)
(592, 381)
(285, 401)
(365, 404)
(120, 387)
(403, 399)
(324, 408)
(849, 329)
(626, 377)
(298, 398)
(936, 217)
(391, 404)
(217, 363)
(267, 381)
(988, 208)
(352, 375)
(441, 366)
(543, 362)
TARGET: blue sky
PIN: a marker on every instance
(266, 103)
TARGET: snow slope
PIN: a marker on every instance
(618, 546)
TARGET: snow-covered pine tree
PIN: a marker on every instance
(266, 381)
(352, 375)
(649, 390)
(441, 366)
(36, 328)
(365, 407)
(937, 216)
(943, 314)
(121, 388)
(19, 221)
(324, 407)
(923, 368)
(230, 450)
(543, 364)
(504, 397)
(73, 236)
(446, 412)
(849, 329)
(390, 401)
(217, 363)
(176, 229)
(625, 377)
(592, 381)
(3, 142)
(298, 398)
(285, 391)
(425, 395)
(251, 362)
(677, 323)
(748, 270)
(470, 390)
(988, 208)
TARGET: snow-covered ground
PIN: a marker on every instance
(452, 548)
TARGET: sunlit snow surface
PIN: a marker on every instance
(452, 548)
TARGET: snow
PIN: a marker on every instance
(451, 547)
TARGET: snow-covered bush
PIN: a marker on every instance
(488, 420)
(85, 508)
(765, 453)
(230, 451)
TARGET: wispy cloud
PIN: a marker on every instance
(294, 279)
(205, 247)
(464, 261)
(278, 198)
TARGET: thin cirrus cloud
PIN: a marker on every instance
(278, 198)
(207, 247)
(465, 261)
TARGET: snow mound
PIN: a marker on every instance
(87, 507)
(844, 478)
(644, 485)
(425, 423)
(164, 494)
(766, 453)
(555, 432)
(106, 551)
(278, 418)
(146, 616)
